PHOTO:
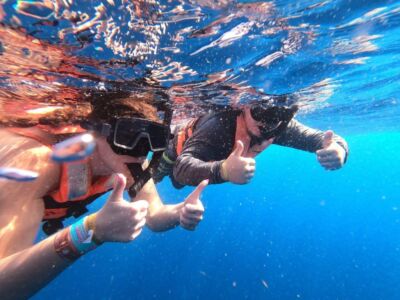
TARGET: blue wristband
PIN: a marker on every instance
(81, 238)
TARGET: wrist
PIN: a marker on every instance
(82, 238)
(64, 247)
(223, 172)
(178, 212)
(74, 241)
(90, 225)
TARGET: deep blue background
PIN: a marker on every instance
(296, 231)
(307, 233)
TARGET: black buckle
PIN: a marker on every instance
(52, 226)
(76, 211)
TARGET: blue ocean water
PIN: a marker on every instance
(296, 231)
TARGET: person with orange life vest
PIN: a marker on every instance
(221, 146)
(125, 127)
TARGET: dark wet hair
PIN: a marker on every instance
(89, 105)
(109, 105)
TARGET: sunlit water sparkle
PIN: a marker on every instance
(338, 59)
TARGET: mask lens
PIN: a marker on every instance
(126, 133)
(269, 117)
(158, 136)
(134, 132)
(273, 119)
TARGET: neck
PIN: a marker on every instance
(97, 165)
(242, 132)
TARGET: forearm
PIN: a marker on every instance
(304, 138)
(191, 171)
(160, 217)
(26, 272)
(164, 218)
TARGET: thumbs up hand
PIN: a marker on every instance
(236, 168)
(192, 211)
(119, 220)
(332, 155)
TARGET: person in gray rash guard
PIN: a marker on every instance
(221, 146)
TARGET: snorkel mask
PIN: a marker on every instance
(274, 120)
(137, 137)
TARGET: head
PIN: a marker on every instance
(132, 128)
(127, 126)
(132, 121)
(130, 124)
(264, 122)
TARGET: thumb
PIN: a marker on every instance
(328, 139)
(239, 148)
(195, 195)
(119, 187)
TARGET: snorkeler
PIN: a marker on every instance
(125, 127)
(221, 146)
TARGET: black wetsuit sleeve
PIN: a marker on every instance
(204, 152)
(301, 137)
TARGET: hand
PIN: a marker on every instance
(236, 168)
(192, 211)
(119, 220)
(332, 155)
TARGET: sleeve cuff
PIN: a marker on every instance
(217, 172)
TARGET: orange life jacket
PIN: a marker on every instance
(184, 134)
(77, 187)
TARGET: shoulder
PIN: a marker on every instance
(218, 121)
(21, 205)
(28, 154)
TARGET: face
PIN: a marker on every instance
(251, 124)
(265, 123)
(105, 162)
(257, 144)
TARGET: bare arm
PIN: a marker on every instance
(26, 272)
(160, 217)
(163, 217)
(25, 269)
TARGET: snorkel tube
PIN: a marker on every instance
(141, 176)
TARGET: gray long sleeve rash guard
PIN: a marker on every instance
(213, 140)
